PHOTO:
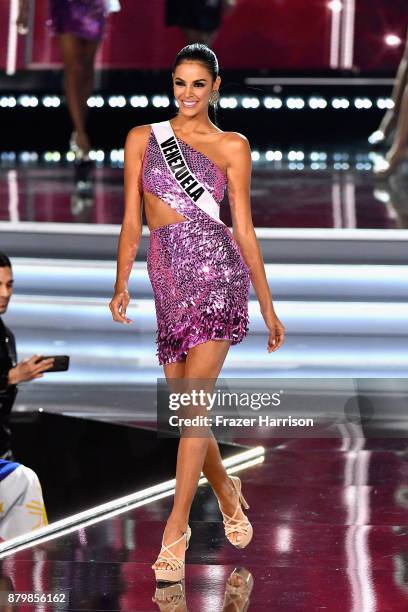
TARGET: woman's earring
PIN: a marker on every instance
(214, 98)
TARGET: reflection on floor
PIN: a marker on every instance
(330, 515)
(315, 189)
(330, 523)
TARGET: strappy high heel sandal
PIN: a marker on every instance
(176, 571)
(234, 525)
(238, 595)
(171, 598)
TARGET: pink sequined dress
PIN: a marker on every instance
(199, 278)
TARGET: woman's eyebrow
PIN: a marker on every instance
(196, 80)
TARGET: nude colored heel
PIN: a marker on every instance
(238, 595)
(176, 571)
(234, 525)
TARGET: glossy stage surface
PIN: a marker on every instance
(330, 524)
(330, 515)
(290, 189)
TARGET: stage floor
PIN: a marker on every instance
(330, 533)
(290, 189)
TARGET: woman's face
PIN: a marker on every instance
(193, 86)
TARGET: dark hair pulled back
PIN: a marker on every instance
(198, 52)
(4, 261)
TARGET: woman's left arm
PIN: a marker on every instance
(239, 167)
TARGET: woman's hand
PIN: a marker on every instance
(118, 306)
(276, 332)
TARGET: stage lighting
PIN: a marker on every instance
(272, 102)
(250, 102)
(336, 6)
(315, 103)
(273, 156)
(160, 101)
(97, 156)
(230, 102)
(139, 101)
(295, 103)
(117, 101)
(255, 156)
(28, 101)
(338, 103)
(294, 156)
(385, 103)
(362, 103)
(95, 102)
(392, 40)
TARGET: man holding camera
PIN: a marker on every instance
(11, 372)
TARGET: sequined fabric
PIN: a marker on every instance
(83, 18)
(199, 278)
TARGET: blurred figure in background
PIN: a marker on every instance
(199, 19)
(79, 25)
(395, 120)
(11, 372)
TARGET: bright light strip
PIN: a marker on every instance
(363, 103)
(119, 101)
(8, 102)
(250, 102)
(160, 101)
(95, 102)
(295, 103)
(51, 101)
(12, 181)
(12, 40)
(240, 461)
(385, 103)
(336, 7)
(347, 56)
(317, 102)
(228, 102)
(139, 101)
(272, 102)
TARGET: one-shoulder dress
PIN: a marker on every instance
(199, 278)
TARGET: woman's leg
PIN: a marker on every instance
(78, 57)
(400, 143)
(203, 362)
(390, 119)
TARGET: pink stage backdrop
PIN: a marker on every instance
(290, 35)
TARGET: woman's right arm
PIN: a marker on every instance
(131, 231)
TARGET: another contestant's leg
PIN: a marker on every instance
(203, 362)
(78, 57)
(391, 117)
(400, 143)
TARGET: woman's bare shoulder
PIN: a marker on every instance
(235, 143)
(138, 136)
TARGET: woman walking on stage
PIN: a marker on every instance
(200, 272)
(79, 25)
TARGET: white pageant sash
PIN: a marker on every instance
(184, 176)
